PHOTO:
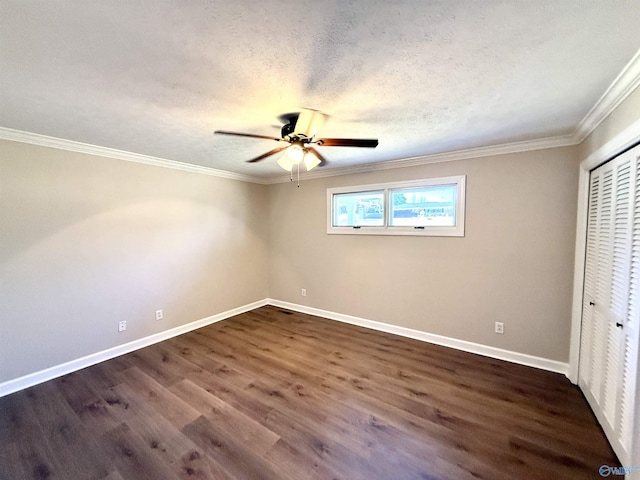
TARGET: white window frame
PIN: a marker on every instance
(456, 230)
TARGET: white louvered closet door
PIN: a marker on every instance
(611, 301)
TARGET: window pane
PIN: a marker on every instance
(432, 206)
(358, 209)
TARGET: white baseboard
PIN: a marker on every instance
(41, 376)
(487, 351)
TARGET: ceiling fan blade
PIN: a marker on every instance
(309, 122)
(250, 135)
(323, 161)
(268, 154)
(347, 142)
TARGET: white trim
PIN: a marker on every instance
(485, 350)
(623, 85)
(625, 139)
(56, 371)
(453, 156)
(578, 275)
(622, 141)
(71, 146)
(457, 230)
(32, 379)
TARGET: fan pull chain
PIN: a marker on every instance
(298, 175)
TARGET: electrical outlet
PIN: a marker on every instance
(500, 328)
(122, 326)
(159, 315)
(303, 292)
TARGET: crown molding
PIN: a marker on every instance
(70, 145)
(479, 152)
(623, 85)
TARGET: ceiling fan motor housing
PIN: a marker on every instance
(288, 129)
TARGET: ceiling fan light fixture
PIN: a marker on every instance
(295, 154)
(311, 161)
(285, 163)
(309, 122)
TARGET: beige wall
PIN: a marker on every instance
(86, 242)
(514, 265)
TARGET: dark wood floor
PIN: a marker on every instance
(272, 394)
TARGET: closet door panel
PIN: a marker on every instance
(619, 293)
(590, 278)
(603, 288)
(631, 336)
(608, 370)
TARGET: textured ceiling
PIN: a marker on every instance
(158, 77)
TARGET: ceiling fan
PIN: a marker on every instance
(298, 140)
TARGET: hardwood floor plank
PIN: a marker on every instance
(21, 433)
(87, 403)
(114, 475)
(132, 456)
(351, 425)
(458, 447)
(9, 458)
(152, 363)
(290, 459)
(319, 447)
(234, 396)
(80, 455)
(167, 443)
(154, 429)
(199, 356)
(162, 400)
(248, 431)
(249, 356)
(239, 461)
(273, 394)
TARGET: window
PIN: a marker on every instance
(430, 206)
(358, 208)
